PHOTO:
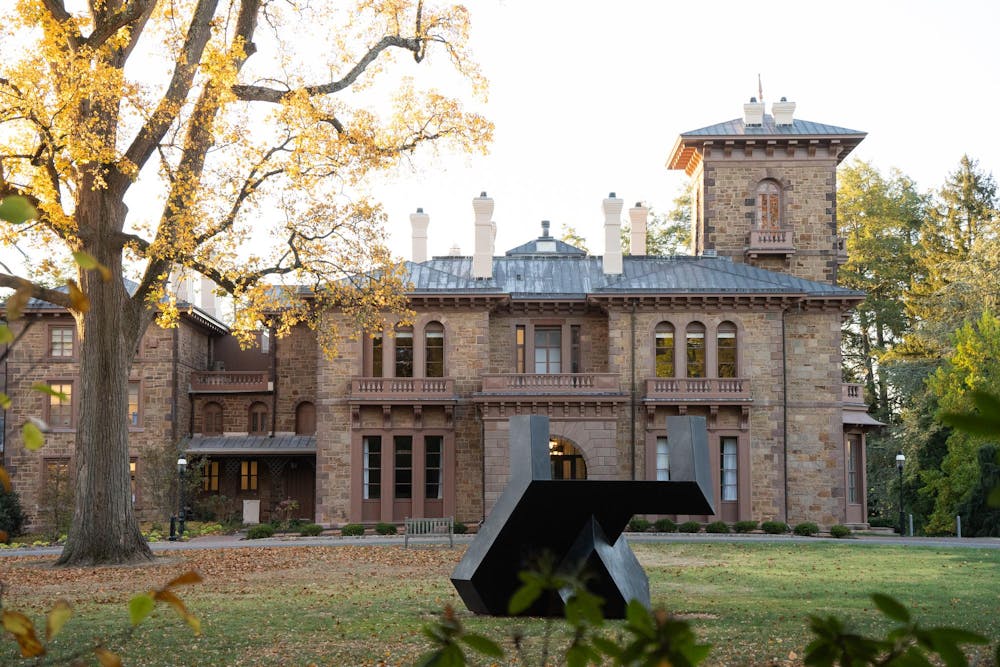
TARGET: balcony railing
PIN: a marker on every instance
(402, 388)
(550, 383)
(853, 394)
(771, 241)
(698, 389)
(229, 381)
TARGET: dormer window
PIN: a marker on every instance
(768, 205)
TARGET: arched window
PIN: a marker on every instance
(434, 350)
(211, 419)
(695, 350)
(768, 205)
(726, 348)
(258, 419)
(566, 460)
(305, 419)
(404, 352)
(664, 350)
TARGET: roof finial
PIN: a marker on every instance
(760, 89)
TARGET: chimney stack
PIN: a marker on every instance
(783, 112)
(208, 302)
(612, 235)
(753, 113)
(182, 284)
(482, 256)
(419, 222)
(638, 215)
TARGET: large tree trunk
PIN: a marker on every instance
(104, 528)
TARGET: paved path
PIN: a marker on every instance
(237, 542)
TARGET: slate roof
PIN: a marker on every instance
(736, 128)
(575, 277)
(252, 444)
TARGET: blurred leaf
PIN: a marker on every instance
(139, 607)
(77, 299)
(4, 479)
(483, 645)
(639, 619)
(190, 577)
(523, 598)
(17, 301)
(46, 389)
(176, 603)
(6, 335)
(87, 261)
(60, 613)
(33, 438)
(4, 401)
(16, 209)
(891, 607)
(106, 658)
(23, 630)
(994, 499)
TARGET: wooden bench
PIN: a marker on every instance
(436, 527)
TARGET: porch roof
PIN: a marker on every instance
(251, 444)
(859, 418)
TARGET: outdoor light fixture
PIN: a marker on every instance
(181, 468)
(900, 460)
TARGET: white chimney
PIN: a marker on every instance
(181, 284)
(783, 111)
(612, 235)
(419, 222)
(482, 256)
(208, 303)
(455, 251)
(753, 113)
(638, 215)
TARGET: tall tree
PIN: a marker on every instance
(267, 121)
(880, 217)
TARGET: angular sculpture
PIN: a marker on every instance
(579, 523)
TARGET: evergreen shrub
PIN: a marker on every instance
(717, 527)
(12, 518)
(260, 531)
(460, 528)
(665, 526)
(639, 525)
(806, 529)
(385, 528)
(689, 527)
(839, 531)
(310, 530)
(745, 526)
(352, 530)
(774, 527)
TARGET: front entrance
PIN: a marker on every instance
(567, 461)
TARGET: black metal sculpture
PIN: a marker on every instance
(577, 522)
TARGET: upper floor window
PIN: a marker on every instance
(434, 350)
(768, 205)
(61, 342)
(133, 403)
(258, 419)
(377, 347)
(726, 348)
(404, 353)
(548, 350)
(695, 350)
(211, 419)
(305, 418)
(664, 350)
(575, 351)
(520, 344)
(60, 413)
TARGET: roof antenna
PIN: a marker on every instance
(760, 89)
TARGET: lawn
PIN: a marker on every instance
(366, 605)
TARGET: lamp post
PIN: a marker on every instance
(181, 468)
(900, 460)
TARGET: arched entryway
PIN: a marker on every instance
(567, 461)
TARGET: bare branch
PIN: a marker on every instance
(54, 297)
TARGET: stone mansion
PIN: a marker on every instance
(412, 420)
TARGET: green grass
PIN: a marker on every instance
(366, 605)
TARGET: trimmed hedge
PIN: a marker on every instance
(806, 529)
(839, 531)
(460, 528)
(639, 525)
(774, 527)
(310, 530)
(352, 530)
(689, 527)
(385, 528)
(745, 526)
(717, 527)
(260, 531)
(665, 526)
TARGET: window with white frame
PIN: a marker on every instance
(728, 473)
(662, 460)
(371, 462)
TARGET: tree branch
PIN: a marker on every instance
(52, 296)
(131, 12)
(58, 12)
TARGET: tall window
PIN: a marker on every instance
(854, 469)
(519, 344)
(132, 464)
(211, 417)
(662, 460)
(696, 350)
(768, 205)
(61, 342)
(726, 347)
(434, 350)
(548, 350)
(377, 356)
(371, 454)
(258, 419)
(248, 475)
(664, 350)
(728, 473)
(61, 405)
(305, 418)
(403, 465)
(433, 451)
(133, 403)
(404, 353)
(575, 354)
(210, 476)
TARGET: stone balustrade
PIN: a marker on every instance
(405, 388)
(229, 381)
(698, 389)
(550, 383)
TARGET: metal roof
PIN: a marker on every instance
(252, 444)
(568, 277)
(737, 128)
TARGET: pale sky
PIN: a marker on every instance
(588, 97)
